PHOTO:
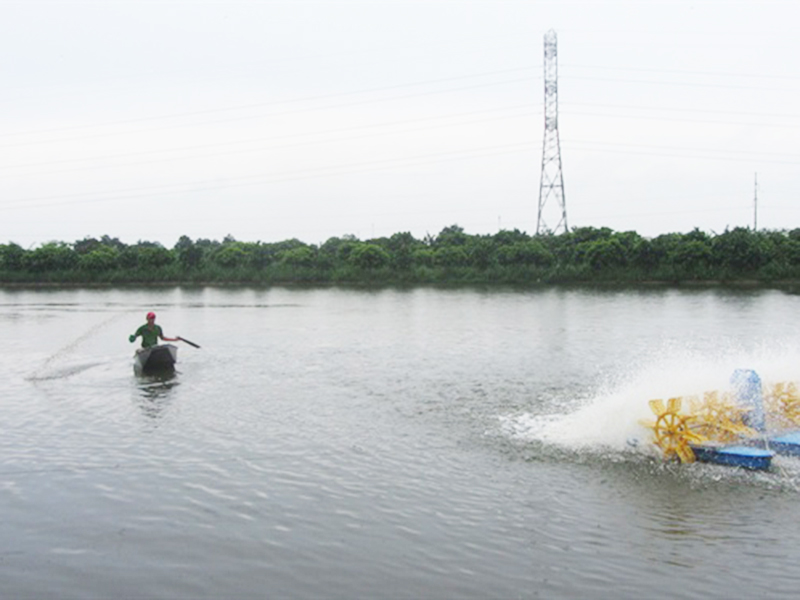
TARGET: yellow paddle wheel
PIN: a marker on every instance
(719, 419)
(673, 431)
(744, 427)
(783, 405)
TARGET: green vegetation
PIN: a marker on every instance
(584, 255)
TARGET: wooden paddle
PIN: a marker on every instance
(188, 342)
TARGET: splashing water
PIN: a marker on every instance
(62, 372)
(612, 419)
(61, 364)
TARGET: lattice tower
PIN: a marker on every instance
(551, 187)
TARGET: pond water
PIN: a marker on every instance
(419, 443)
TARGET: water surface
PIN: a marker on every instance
(336, 443)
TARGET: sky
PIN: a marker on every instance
(311, 119)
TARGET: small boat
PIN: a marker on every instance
(156, 358)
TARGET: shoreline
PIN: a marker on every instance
(651, 283)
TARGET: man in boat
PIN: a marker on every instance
(151, 333)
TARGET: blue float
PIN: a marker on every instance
(787, 443)
(747, 457)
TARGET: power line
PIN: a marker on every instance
(682, 72)
(714, 111)
(295, 101)
(335, 170)
(288, 137)
(180, 115)
(276, 114)
(781, 125)
(635, 149)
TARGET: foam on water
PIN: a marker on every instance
(611, 419)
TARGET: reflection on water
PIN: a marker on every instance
(154, 392)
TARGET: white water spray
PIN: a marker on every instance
(58, 365)
(611, 420)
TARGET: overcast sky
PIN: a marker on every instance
(269, 120)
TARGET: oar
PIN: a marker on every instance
(188, 342)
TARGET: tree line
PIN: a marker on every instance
(582, 255)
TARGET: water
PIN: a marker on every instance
(424, 443)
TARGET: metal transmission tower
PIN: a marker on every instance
(551, 187)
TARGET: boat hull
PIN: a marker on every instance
(156, 358)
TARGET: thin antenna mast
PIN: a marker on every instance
(552, 181)
(755, 205)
